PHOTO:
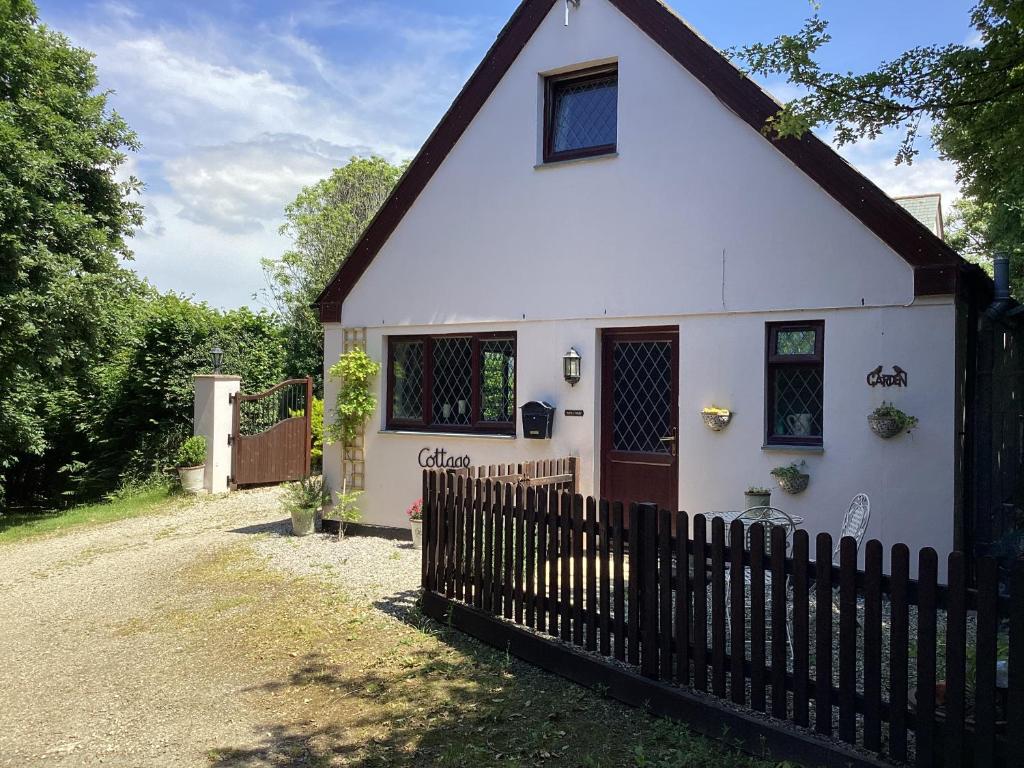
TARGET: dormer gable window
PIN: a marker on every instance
(580, 113)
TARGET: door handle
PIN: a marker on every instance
(671, 440)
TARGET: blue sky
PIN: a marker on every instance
(239, 103)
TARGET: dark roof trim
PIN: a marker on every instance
(936, 265)
(510, 41)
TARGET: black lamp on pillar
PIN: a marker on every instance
(571, 366)
(217, 356)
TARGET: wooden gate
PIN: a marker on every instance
(272, 434)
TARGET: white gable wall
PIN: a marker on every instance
(558, 253)
(641, 233)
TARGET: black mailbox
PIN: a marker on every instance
(537, 418)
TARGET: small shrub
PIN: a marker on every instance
(192, 452)
(304, 495)
(346, 511)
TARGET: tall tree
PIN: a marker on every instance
(972, 96)
(324, 222)
(64, 217)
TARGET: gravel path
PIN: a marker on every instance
(84, 683)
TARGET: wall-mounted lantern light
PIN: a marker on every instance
(217, 356)
(571, 366)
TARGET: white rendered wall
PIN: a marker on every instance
(909, 478)
(699, 222)
(211, 418)
(491, 238)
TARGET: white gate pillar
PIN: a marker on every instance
(212, 420)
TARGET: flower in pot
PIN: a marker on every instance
(757, 497)
(716, 419)
(303, 499)
(415, 513)
(191, 462)
(792, 479)
(888, 421)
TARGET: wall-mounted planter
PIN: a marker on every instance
(888, 421)
(794, 485)
(716, 419)
(792, 479)
(885, 426)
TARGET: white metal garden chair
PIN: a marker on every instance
(855, 523)
(770, 518)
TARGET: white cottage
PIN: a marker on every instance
(602, 184)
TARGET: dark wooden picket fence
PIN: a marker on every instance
(547, 474)
(691, 620)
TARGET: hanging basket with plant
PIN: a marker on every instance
(716, 419)
(888, 421)
(792, 479)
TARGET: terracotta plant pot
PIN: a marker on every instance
(794, 485)
(417, 533)
(716, 422)
(884, 426)
(192, 478)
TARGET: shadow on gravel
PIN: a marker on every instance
(279, 527)
(281, 745)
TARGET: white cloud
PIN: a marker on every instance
(239, 187)
(236, 118)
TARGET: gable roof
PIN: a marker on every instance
(936, 265)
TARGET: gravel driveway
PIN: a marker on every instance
(84, 683)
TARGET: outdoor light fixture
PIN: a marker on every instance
(217, 355)
(571, 366)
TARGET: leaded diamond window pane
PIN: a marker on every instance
(498, 380)
(407, 396)
(798, 401)
(583, 114)
(452, 392)
(642, 396)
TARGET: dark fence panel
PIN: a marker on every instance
(904, 669)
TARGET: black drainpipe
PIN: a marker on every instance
(1001, 302)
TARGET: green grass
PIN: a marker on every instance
(20, 525)
(342, 686)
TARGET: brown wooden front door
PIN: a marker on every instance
(640, 416)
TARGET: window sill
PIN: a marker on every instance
(779, 448)
(428, 433)
(575, 160)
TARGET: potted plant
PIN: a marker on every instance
(303, 499)
(792, 479)
(191, 462)
(888, 421)
(716, 419)
(415, 513)
(757, 497)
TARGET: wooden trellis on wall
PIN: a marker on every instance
(353, 460)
